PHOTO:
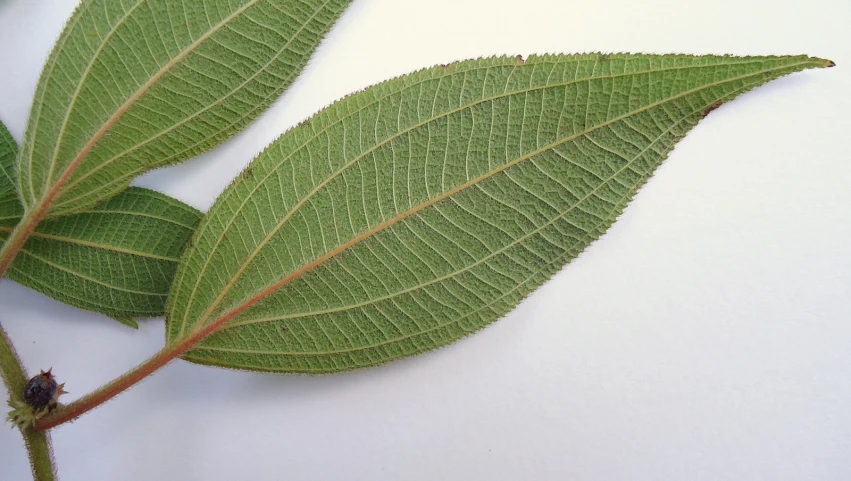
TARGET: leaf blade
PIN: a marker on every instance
(120, 107)
(117, 259)
(8, 152)
(286, 291)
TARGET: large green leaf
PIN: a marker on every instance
(118, 259)
(139, 84)
(419, 210)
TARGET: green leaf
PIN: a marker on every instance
(8, 151)
(411, 214)
(117, 259)
(135, 85)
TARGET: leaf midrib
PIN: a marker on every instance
(320, 260)
(97, 245)
(357, 158)
(90, 279)
(558, 261)
(90, 301)
(457, 272)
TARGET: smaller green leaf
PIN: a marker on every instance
(118, 259)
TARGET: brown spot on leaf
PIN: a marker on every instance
(520, 59)
(711, 108)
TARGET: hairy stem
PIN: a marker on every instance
(37, 442)
(41, 454)
(108, 391)
(14, 375)
(167, 354)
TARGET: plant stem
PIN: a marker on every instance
(11, 368)
(37, 442)
(41, 454)
(108, 391)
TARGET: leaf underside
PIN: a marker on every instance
(411, 214)
(117, 259)
(8, 152)
(135, 85)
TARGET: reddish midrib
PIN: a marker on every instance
(121, 384)
(32, 220)
(41, 208)
(218, 323)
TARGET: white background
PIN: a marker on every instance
(707, 336)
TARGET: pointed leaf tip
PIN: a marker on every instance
(823, 62)
(127, 322)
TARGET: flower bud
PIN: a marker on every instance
(41, 390)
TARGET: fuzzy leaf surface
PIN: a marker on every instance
(135, 85)
(411, 214)
(8, 152)
(117, 259)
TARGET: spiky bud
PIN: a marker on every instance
(41, 390)
(40, 397)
